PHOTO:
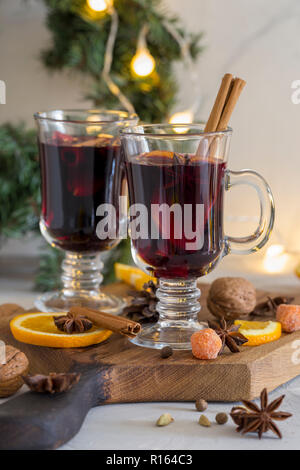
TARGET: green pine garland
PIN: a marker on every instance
(78, 45)
(19, 181)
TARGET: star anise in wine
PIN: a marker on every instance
(180, 159)
(71, 323)
(229, 335)
(253, 418)
(269, 306)
(142, 307)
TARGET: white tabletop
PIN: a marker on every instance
(132, 426)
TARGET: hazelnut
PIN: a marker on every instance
(201, 405)
(11, 372)
(231, 297)
(221, 418)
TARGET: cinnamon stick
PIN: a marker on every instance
(217, 109)
(227, 97)
(114, 323)
(236, 90)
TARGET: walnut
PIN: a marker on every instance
(231, 297)
(11, 372)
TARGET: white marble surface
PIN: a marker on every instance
(132, 426)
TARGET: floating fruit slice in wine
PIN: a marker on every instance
(156, 157)
(131, 275)
(39, 329)
(259, 332)
(61, 138)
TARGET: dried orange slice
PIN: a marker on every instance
(131, 275)
(259, 332)
(39, 329)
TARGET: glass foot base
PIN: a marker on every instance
(161, 334)
(58, 302)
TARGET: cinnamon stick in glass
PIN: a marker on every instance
(234, 94)
(114, 323)
(227, 97)
(217, 109)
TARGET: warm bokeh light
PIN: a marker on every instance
(93, 129)
(142, 63)
(99, 5)
(275, 259)
(183, 117)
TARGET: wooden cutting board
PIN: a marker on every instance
(118, 372)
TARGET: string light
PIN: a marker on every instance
(108, 57)
(142, 63)
(99, 5)
(187, 116)
(275, 259)
(183, 117)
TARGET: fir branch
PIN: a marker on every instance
(19, 181)
(80, 47)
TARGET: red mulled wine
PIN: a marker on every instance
(78, 174)
(170, 178)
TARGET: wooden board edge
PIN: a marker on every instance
(276, 368)
(168, 383)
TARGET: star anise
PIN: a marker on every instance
(143, 305)
(260, 420)
(269, 306)
(73, 323)
(52, 383)
(180, 159)
(228, 334)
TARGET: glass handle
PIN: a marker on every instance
(260, 236)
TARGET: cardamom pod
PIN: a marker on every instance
(204, 421)
(164, 420)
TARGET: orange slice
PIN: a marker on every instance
(160, 153)
(297, 270)
(39, 329)
(157, 157)
(259, 332)
(131, 275)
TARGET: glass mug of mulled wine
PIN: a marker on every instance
(177, 176)
(81, 172)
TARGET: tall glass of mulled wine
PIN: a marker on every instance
(82, 175)
(177, 176)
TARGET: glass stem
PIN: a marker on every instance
(178, 301)
(81, 273)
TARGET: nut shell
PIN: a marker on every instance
(231, 297)
(11, 373)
